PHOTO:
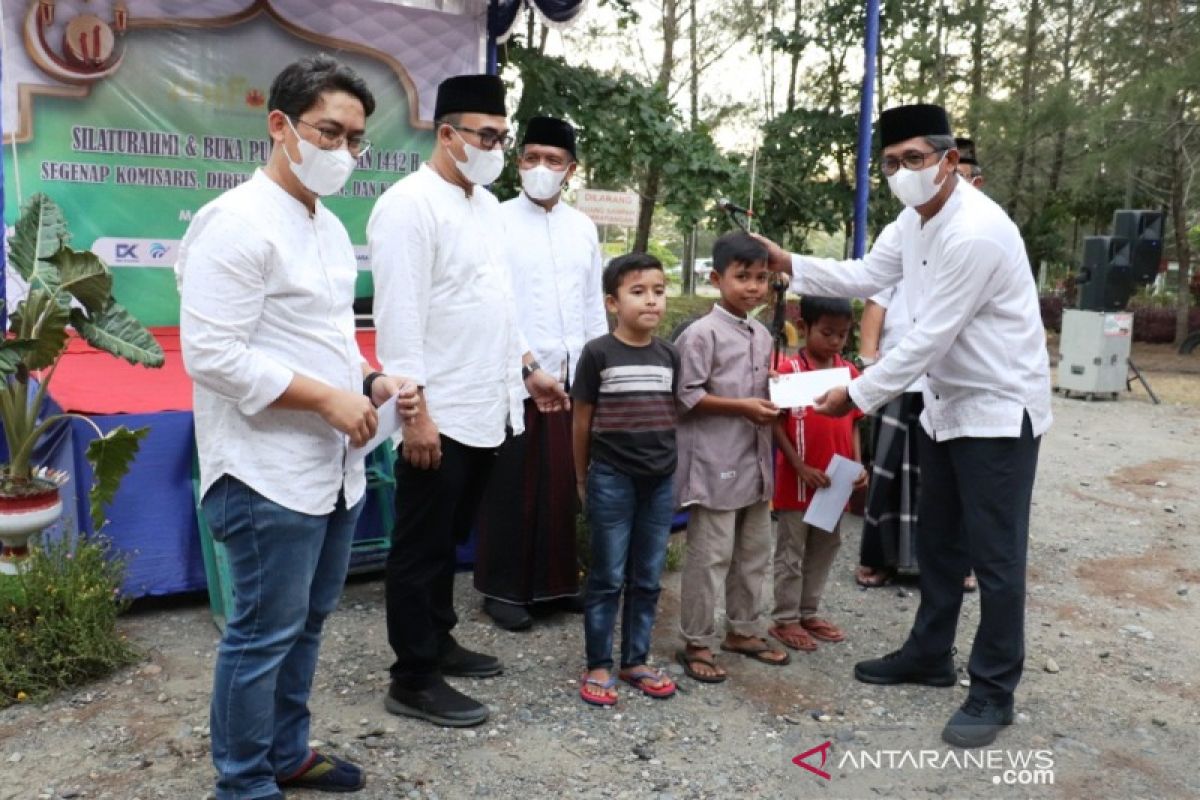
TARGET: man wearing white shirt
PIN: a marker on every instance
(266, 278)
(526, 551)
(445, 315)
(977, 337)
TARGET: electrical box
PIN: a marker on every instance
(1094, 352)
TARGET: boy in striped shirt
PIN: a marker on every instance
(624, 441)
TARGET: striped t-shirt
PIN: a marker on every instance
(633, 391)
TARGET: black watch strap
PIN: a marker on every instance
(529, 369)
(369, 382)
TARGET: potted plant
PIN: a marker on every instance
(68, 289)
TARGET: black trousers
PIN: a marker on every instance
(435, 511)
(974, 514)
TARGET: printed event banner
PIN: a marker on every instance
(133, 117)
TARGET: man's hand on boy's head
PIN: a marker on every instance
(834, 403)
(760, 411)
(778, 259)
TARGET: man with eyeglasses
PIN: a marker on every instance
(445, 314)
(266, 278)
(526, 548)
(976, 336)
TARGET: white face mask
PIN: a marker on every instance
(541, 182)
(322, 172)
(482, 167)
(915, 187)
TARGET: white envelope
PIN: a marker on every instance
(827, 504)
(389, 423)
(800, 389)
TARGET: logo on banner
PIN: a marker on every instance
(136, 252)
(89, 51)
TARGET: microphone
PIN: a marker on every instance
(726, 205)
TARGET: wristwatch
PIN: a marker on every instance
(369, 382)
(529, 369)
(862, 362)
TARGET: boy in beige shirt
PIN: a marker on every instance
(724, 477)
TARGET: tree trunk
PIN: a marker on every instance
(794, 66)
(978, 17)
(1181, 181)
(694, 82)
(1032, 25)
(648, 190)
(1068, 69)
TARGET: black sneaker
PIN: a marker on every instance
(509, 616)
(459, 662)
(438, 702)
(977, 723)
(900, 668)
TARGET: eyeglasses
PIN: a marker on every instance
(913, 159)
(488, 137)
(333, 139)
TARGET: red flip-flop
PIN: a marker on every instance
(637, 679)
(592, 699)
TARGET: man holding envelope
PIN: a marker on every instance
(977, 337)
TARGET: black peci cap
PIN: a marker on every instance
(470, 94)
(549, 131)
(907, 122)
(966, 150)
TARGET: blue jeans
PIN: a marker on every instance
(288, 569)
(630, 521)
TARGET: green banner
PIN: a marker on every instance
(181, 120)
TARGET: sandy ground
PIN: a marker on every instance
(1109, 704)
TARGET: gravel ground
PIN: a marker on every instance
(1109, 703)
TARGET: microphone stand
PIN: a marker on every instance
(779, 286)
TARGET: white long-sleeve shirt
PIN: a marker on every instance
(444, 310)
(976, 328)
(896, 322)
(554, 257)
(267, 293)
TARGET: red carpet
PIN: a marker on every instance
(91, 381)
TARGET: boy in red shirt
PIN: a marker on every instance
(805, 444)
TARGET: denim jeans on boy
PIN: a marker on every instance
(287, 569)
(630, 521)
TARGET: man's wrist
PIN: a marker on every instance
(369, 382)
(527, 370)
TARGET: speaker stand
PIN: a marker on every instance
(1137, 374)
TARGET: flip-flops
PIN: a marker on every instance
(597, 700)
(796, 640)
(637, 679)
(823, 629)
(758, 651)
(686, 660)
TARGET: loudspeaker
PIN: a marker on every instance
(1106, 281)
(1143, 230)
